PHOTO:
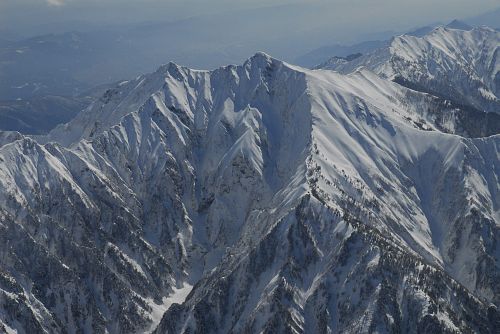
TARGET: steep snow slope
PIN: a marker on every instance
(361, 166)
(288, 199)
(459, 65)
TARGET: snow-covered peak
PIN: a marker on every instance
(458, 44)
(180, 82)
(261, 58)
(457, 24)
(458, 65)
(7, 137)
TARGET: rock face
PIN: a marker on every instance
(455, 63)
(254, 198)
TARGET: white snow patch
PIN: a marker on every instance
(178, 296)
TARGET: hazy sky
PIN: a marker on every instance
(41, 16)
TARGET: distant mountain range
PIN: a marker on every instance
(69, 63)
(40, 115)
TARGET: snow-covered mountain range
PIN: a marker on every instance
(259, 198)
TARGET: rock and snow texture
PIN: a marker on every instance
(461, 65)
(261, 198)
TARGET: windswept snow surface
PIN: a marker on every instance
(262, 197)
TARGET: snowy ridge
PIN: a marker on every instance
(290, 200)
(461, 65)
